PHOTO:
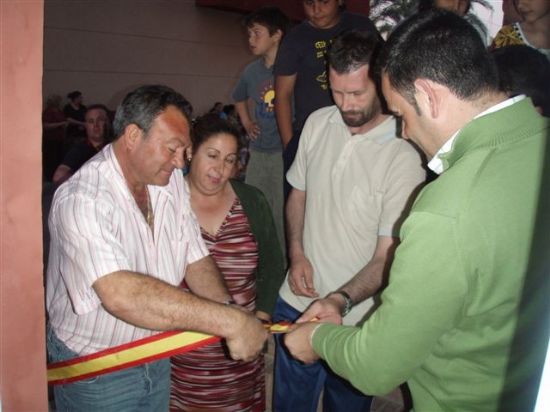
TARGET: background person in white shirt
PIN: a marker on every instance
(122, 238)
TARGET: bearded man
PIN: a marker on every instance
(352, 181)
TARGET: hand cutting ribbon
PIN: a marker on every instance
(160, 346)
(278, 327)
(282, 326)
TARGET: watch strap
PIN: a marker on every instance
(348, 302)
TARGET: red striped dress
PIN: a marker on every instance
(207, 379)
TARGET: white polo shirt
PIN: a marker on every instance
(357, 188)
(96, 228)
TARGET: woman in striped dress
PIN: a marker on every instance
(238, 228)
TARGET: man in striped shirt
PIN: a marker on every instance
(123, 237)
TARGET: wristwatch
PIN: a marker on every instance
(347, 300)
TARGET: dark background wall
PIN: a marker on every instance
(106, 48)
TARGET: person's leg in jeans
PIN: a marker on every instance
(296, 387)
(141, 388)
(340, 395)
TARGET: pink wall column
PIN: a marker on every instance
(22, 348)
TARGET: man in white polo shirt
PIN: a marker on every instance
(123, 236)
(352, 181)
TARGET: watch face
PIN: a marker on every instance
(349, 303)
(347, 309)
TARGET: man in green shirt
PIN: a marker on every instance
(464, 319)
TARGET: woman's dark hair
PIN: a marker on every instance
(229, 109)
(214, 107)
(210, 125)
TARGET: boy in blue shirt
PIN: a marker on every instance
(255, 93)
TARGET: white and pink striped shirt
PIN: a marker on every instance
(96, 228)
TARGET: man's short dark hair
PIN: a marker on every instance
(74, 94)
(440, 46)
(142, 106)
(524, 70)
(98, 106)
(270, 17)
(353, 49)
(425, 5)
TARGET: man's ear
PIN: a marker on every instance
(132, 133)
(278, 34)
(428, 96)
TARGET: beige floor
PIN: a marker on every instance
(392, 402)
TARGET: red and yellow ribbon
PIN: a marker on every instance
(160, 346)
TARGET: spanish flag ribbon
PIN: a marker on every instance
(279, 327)
(152, 348)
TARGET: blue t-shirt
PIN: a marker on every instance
(256, 83)
(302, 52)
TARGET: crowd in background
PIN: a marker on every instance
(290, 224)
